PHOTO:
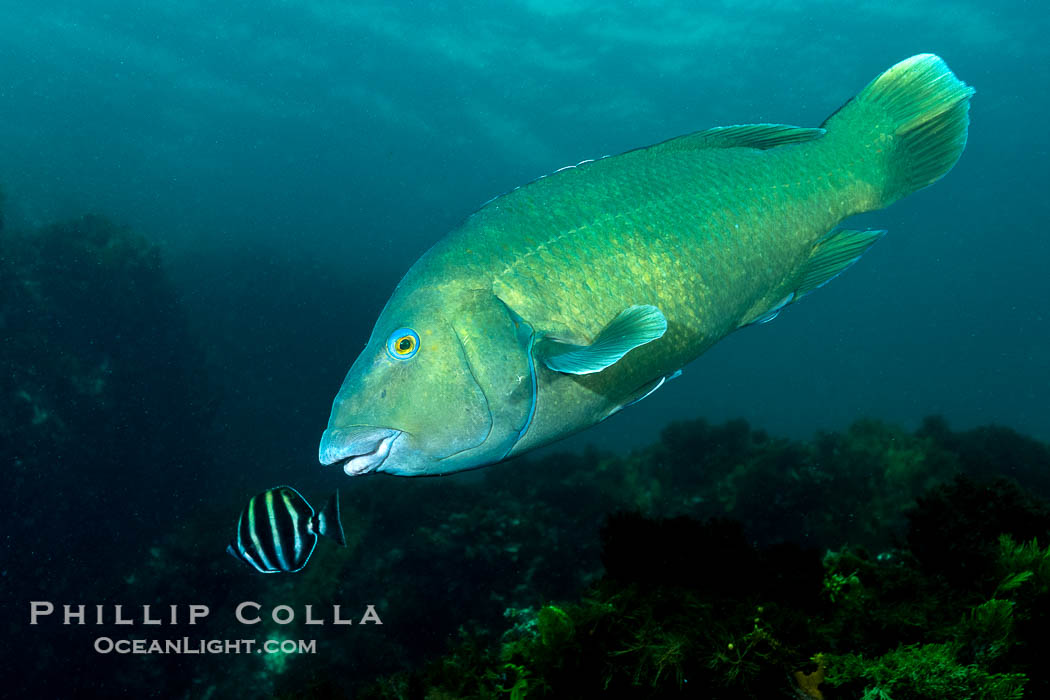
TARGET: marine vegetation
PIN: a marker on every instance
(701, 606)
(694, 609)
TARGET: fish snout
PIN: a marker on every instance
(359, 449)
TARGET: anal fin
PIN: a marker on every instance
(832, 256)
(768, 316)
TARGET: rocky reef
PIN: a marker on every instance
(716, 563)
(105, 414)
(936, 587)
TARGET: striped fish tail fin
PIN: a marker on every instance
(329, 522)
(912, 123)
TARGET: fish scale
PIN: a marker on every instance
(600, 281)
(689, 260)
(704, 265)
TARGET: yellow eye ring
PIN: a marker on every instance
(403, 344)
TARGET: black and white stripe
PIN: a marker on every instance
(274, 532)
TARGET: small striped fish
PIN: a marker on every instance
(277, 530)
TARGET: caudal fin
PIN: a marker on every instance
(912, 120)
(329, 523)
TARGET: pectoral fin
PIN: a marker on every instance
(633, 327)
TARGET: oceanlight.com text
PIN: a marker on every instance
(186, 645)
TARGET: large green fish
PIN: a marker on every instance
(558, 304)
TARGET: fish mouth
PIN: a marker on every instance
(359, 449)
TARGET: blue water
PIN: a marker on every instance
(294, 159)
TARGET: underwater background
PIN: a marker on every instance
(205, 206)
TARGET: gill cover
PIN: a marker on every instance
(498, 346)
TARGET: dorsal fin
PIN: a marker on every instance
(760, 136)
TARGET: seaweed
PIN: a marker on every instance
(954, 529)
(929, 671)
(697, 607)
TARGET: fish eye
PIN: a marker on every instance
(403, 344)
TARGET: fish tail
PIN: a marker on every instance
(329, 522)
(911, 123)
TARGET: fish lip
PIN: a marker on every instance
(358, 449)
(371, 461)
